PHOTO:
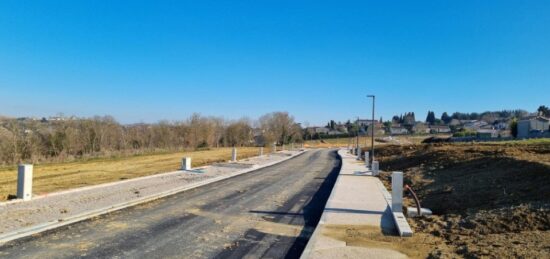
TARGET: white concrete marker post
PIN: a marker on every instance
(274, 148)
(375, 168)
(367, 158)
(397, 192)
(234, 154)
(261, 151)
(24, 181)
(358, 153)
(186, 163)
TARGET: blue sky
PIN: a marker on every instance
(153, 60)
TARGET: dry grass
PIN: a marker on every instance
(338, 142)
(62, 176)
(363, 141)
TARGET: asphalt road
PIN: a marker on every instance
(267, 213)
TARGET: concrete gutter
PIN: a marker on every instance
(28, 231)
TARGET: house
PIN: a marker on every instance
(420, 128)
(487, 133)
(321, 130)
(474, 124)
(342, 128)
(363, 123)
(398, 131)
(533, 127)
(501, 125)
(334, 132)
(439, 129)
(455, 122)
(378, 130)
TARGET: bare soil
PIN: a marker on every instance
(489, 200)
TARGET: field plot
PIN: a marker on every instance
(489, 199)
(365, 141)
(61, 176)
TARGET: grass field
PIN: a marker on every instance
(62, 176)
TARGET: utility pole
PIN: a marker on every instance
(357, 134)
(372, 131)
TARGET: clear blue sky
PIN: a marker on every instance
(152, 60)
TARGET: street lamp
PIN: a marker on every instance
(372, 131)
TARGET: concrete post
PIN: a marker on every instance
(397, 192)
(302, 146)
(261, 151)
(24, 181)
(283, 147)
(234, 154)
(358, 153)
(274, 148)
(375, 168)
(367, 158)
(292, 146)
(186, 163)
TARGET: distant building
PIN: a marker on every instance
(501, 125)
(321, 130)
(533, 127)
(455, 122)
(474, 124)
(487, 133)
(363, 123)
(378, 130)
(398, 131)
(334, 132)
(420, 128)
(439, 129)
(342, 128)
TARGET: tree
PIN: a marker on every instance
(430, 119)
(279, 127)
(514, 127)
(446, 118)
(332, 125)
(544, 111)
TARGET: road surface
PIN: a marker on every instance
(266, 213)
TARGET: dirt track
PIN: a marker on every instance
(489, 200)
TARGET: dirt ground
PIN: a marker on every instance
(488, 200)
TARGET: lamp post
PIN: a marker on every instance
(372, 126)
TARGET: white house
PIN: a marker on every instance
(398, 131)
(533, 126)
(440, 129)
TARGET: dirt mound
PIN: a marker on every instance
(488, 199)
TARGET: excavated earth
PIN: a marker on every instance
(488, 200)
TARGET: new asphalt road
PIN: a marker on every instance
(269, 213)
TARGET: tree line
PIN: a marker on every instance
(25, 140)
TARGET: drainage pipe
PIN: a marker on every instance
(418, 208)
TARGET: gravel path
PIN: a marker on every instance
(66, 204)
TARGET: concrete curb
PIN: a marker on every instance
(309, 247)
(28, 231)
(399, 219)
(403, 227)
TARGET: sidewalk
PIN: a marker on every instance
(22, 218)
(355, 216)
